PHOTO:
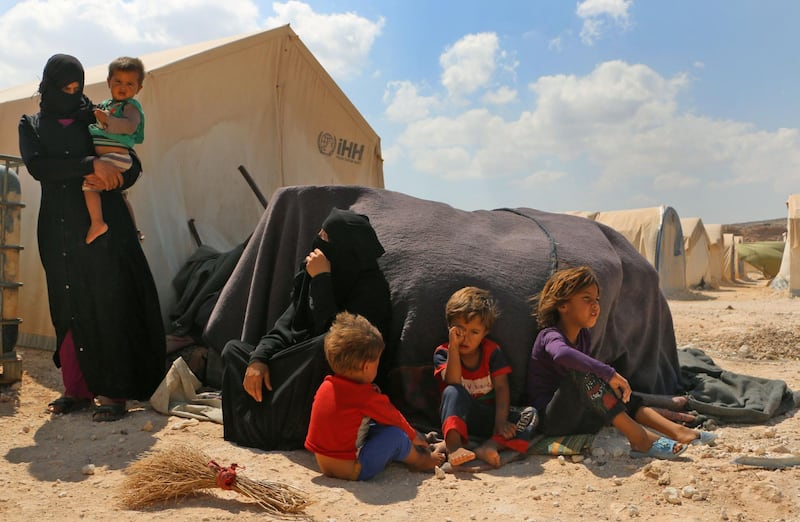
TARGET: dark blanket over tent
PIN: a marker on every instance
(432, 250)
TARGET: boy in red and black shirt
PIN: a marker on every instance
(473, 374)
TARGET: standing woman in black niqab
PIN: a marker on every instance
(110, 342)
(267, 390)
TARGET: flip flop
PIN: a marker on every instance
(109, 412)
(706, 437)
(460, 456)
(663, 448)
(67, 405)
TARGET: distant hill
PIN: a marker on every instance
(767, 230)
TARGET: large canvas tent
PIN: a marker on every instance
(696, 246)
(716, 254)
(261, 101)
(656, 233)
(789, 274)
(432, 250)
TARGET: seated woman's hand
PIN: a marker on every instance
(317, 263)
(256, 376)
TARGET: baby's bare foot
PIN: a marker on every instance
(95, 232)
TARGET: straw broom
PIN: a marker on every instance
(182, 471)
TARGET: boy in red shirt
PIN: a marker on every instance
(354, 430)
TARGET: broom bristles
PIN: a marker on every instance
(182, 471)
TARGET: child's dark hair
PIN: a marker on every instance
(557, 290)
(352, 341)
(471, 302)
(127, 64)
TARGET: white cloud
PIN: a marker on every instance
(405, 104)
(537, 179)
(469, 64)
(501, 96)
(596, 14)
(674, 180)
(555, 44)
(342, 57)
(97, 31)
(618, 126)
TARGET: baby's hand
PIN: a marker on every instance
(101, 116)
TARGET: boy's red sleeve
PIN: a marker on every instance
(380, 409)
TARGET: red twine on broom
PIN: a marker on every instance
(226, 477)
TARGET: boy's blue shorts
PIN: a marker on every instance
(383, 444)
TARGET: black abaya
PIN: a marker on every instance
(293, 348)
(103, 292)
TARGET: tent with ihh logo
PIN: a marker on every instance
(789, 274)
(261, 101)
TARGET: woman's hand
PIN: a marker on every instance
(317, 263)
(620, 386)
(105, 176)
(255, 377)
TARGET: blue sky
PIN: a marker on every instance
(549, 104)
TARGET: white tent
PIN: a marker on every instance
(656, 234)
(696, 246)
(716, 254)
(789, 275)
(261, 101)
(733, 270)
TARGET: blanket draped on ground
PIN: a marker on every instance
(729, 396)
(433, 249)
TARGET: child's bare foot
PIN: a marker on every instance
(422, 459)
(95, 231)
(439, 447)
(460, 456)
(488, 453)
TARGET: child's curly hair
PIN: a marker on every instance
(471, 302)
(557, 290)
(352, 341)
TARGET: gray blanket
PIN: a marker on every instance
(433, 249)
(730, 396)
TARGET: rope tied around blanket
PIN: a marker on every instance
(226, 477)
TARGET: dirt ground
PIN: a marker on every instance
(45, 471)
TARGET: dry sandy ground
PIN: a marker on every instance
(746, 329)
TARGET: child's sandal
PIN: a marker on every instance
(460, 456)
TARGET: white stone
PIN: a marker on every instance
(688, 491)
(672, 496)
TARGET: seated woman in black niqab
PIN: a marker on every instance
(267, 391)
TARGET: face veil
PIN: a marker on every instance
(59, 71)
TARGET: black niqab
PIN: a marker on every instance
(59, 71)
(352, 247)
